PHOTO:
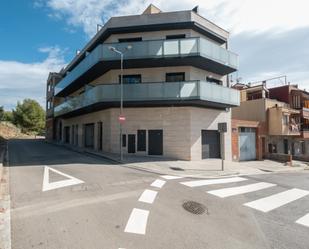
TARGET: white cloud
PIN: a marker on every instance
(28, 80)
(236, 16)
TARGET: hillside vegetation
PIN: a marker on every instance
(9, 130)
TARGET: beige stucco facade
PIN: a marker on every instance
(181, 127)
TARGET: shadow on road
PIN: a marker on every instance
(32, 152)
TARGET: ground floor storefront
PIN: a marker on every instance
(186, 133)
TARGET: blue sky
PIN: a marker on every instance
(270, 36)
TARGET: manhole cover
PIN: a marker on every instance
(194, 207)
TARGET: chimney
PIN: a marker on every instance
(151, 9)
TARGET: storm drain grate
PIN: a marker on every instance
(194, 207)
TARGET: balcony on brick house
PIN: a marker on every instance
(284, 121)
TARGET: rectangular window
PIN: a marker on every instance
(124, 140)
(285, 119)
(141, 140)
(131, 79)
(212, 80)
(175, 77)
(133, 39)
(296, 101)
(180, 36)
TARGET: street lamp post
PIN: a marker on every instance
(121, 96)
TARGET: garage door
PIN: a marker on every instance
(247, 149)
(210, 144)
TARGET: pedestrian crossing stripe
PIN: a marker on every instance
(304, 220)
(226, 192)
(200, 183)
(277, 200)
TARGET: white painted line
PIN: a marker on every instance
(167, 177)
(304, 220)
(158, 183)
(59, 184)
(148, 196)
(226, 192)
(274, 201)
(137, 222)
(213, 181)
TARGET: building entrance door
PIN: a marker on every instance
(247, 144)
(131, 143)
(89, 135)
(210, 144)
(286, 146)
(155, 142)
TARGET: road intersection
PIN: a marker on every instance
(91, 203)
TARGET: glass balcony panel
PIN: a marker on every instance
(224, 56)
(189, 46)
(233, 60)
(171, 90)
(206, 48)
(199, 90)
(171, 47)
(154, 91)
(188, 90)
(151, 49)
(155, 48)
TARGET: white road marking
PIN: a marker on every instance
(226, 192)
(148, 196)
(213, 181)
(168, 177)
(59, 184)
(274, 201)
(304, 220)
(137, 222)
(158, 183)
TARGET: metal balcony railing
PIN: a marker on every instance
(188, 90)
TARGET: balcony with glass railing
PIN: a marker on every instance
(201, 92)
(221, 58)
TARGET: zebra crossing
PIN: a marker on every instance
(265, 204)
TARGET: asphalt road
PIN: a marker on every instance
(98, 213)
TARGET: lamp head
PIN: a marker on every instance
(111, 48)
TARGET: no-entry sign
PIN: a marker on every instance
(121, 119)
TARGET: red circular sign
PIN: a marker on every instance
(121, 119)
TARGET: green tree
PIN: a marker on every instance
(29, 116)
(7, 116)
(1, 113)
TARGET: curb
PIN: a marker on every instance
(5, 202)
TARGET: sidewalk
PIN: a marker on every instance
(209, 168)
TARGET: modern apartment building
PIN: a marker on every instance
(175, 92)
(269, 122)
